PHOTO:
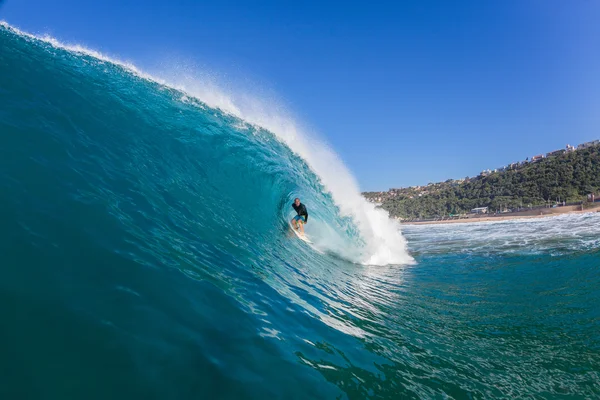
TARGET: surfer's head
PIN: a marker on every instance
(297, 201)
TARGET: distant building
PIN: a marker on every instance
(570, 148)
(485, 172)
(588, 144)
(479, 210)
(537, 158)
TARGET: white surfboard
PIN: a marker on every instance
(306, 240)
(300, 235)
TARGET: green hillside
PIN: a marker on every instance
(569, 177)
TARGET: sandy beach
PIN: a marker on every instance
(541, 213)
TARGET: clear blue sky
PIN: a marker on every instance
(407, 92)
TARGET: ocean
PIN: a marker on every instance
(146, 253)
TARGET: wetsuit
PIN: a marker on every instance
(301, 210)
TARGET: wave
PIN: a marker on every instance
(341, 221)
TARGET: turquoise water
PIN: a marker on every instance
(146, 254)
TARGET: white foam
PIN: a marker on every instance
(384, 242)
(550, 235)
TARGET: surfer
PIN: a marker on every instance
(302, 218)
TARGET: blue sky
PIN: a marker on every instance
(406, 92)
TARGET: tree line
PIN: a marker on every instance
(568, 177)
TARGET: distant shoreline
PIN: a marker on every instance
(542, 213)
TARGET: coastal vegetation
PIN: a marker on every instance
(558, 179)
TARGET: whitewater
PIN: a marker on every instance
(145, 252)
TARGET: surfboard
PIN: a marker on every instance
(306, 240)
(301, 236)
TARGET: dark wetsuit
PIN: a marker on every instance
(301, 210)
